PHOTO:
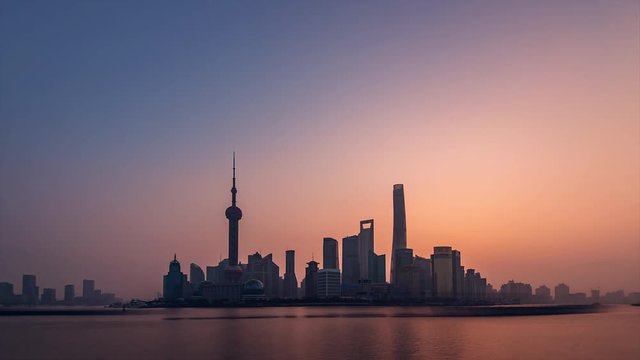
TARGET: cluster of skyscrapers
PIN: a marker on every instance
(31, 296)
(439, 277)
(360, 275)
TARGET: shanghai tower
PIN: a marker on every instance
(399, 227)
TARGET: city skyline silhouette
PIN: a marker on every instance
(231, 273)
(514, 130)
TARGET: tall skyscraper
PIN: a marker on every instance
(365, 246)
(481, 286)
(470, 285)
(311, 280)
(175, 282)
(562, 294)
(442, 262)
(399, 227)
(6, 294)
(426, 277)
(69, 294)
(407, 275)
(377, 268)
(290, 283)
(30, 291)
(350, 263)
(458, 274)
(88, 290)
(329, 253)
(233, 272)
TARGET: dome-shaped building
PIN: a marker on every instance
(253, 290)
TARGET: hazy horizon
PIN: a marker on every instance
(515, 129)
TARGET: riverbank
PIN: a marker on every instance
(410, 311)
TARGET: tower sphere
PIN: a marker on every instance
(233, 213)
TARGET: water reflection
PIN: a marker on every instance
(319, 333)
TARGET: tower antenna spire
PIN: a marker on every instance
(233, 188)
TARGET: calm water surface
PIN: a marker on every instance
(320, 333)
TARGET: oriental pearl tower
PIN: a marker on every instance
(233, 272)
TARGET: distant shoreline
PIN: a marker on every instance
(418, 310)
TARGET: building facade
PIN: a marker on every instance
(330, 253)
(48, 296)
(290, 282)
(377, 268)
(350, 265)
(196, 275)
(7, 297)
(69, 294)
(442, 263)
(426, 277)
(399, 227)
(365, 247)
(404, 273)
(328, 283)
(264, 269)
(561, 294)
(311, 280)
(88, 290)
(30, 291)
(175, 282)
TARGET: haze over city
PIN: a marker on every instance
(516, 134)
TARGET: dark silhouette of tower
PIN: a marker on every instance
(329, 253)
(458, 274)
(290, 282)
(88, 290)
(350, 265)
(311, 280)
(69, 294)
(399, 228)
(233, 272)
(442, 267)
(234, 214)
(30, 292)
(365, 247)
(175, 282)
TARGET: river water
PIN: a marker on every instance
(320, 333)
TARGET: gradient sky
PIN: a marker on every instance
(515, 127)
